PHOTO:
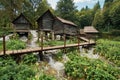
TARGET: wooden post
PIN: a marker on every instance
(41, 52)
(4, 45)
(78, 42)
(41, 40)
(52, 35)
(64, 43)
(41, 55)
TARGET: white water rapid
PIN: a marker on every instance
(6, 37)
(34, 39)
(89, 53)
(58, 66)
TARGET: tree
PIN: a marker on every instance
(98, 20)
(12, 7)
(85, 18)
(115, 14)
(96, 7)
(42, 7)
(106, 17)
(66, 9)
(106, 1)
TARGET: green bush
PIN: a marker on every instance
(115, 33)
(89, 69)
(15, 45)
(109, 49)
(29, 59)
(46, 77)
(9, 70)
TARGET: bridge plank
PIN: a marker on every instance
(29, 50)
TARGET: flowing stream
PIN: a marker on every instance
(58, 66)
(34, 39)
(89, 53)
(6, 37)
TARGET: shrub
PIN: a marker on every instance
(109, 49)
(15, 45)
(89, 69)
(29, 59)
(46, 77)
(9, 70)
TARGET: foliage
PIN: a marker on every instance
(29, 59)
(59, 55)
(46, 77)
(85, 17)
(107, 18)
(109, 49)
(98, 20)
(114, 14)
(9, 70)
(89, 69)
(4, 31)
(66, 9)
(115, 33)
(43, 6)
(15, 45)
(14, 36)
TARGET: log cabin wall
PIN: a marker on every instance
(58, 27)
(45, 22)
(21, 23)
(70, 29)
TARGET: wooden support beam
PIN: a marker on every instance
(64, 43)
(41, 40)
(52, 35)
(41, 55)
(78, 41)
(4, 45)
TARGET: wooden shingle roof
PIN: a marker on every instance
(48, 11)
(90, 29)
(16, 20)
(65, 21)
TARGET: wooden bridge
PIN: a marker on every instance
(39, 49)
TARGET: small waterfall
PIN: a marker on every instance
(81, 50)
(92, 55)
(24, 38)
(33, 42)
(65, 58)
(58, 66)
(89, 54)
(34, 39)
(6, 37)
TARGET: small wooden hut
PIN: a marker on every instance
(45, 23)
(90, 31)
(62, 26)
(21, 25)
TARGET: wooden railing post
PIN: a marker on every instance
(41, 34)
(64, 43)
(78, 42)
(4, 46)
(41, 55)
(41, 52)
